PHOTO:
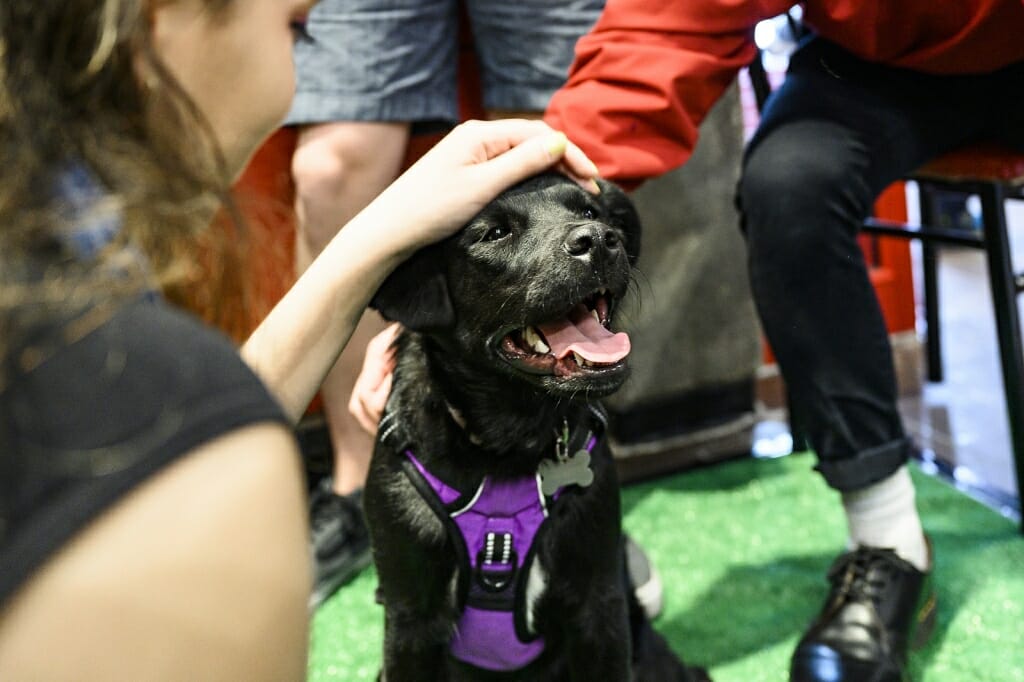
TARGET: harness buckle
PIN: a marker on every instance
(496, 562)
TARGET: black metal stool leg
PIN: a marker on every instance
(933, 335)
(930, 273)
(1004, 299)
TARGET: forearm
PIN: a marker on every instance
(300, 340)
(295, 347)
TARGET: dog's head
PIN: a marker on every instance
(528, 288)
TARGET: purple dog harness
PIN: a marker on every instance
(497, 528)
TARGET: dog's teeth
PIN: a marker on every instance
(593, 313)
(581, 361)
(533, 340)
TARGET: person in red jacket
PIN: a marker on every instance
(876, 89)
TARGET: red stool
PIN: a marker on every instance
(994, 175)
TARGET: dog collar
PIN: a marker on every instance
(570, 464)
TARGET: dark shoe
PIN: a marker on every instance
(644, 579)
(341, 543)
(879, 607)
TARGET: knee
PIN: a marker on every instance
(320, 166)
(338, 169)
(333, 155)
(318, 177)
(796, 200)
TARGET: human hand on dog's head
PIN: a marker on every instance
(468, 168)
(528, 287)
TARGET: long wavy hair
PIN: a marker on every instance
(82, 88)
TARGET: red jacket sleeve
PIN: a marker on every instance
(647, 74)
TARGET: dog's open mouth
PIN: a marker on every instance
(578, 343)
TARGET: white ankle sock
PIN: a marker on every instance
(884, 515)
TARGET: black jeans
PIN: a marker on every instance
(834, 135)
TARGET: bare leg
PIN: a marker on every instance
(338, 169)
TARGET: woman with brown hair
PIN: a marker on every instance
(152, 522)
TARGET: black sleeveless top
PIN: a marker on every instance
(100, 414)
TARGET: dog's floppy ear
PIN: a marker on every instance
(623, 214)
(416, 293)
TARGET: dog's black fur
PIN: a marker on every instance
(530, 256)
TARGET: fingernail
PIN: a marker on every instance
(594, 187)
(556, 144)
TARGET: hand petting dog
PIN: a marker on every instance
(298, 343)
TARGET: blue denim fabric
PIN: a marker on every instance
(396, 60)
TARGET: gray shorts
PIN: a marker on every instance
(395, 60)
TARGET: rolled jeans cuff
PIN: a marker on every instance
(866, 467)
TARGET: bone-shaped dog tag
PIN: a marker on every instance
(574, 470)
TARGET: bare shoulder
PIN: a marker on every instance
(202, 573)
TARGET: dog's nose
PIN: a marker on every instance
(592, 238)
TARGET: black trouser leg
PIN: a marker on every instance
(830, 140)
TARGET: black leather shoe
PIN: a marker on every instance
(879, 607)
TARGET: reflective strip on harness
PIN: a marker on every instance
(498, 527)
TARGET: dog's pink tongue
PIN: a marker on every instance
(581, 333)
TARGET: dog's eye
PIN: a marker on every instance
(589, 213)
(497, 232)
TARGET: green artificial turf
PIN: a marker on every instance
(743, 548)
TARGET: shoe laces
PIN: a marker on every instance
(862, 575)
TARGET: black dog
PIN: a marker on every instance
(490, 435)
